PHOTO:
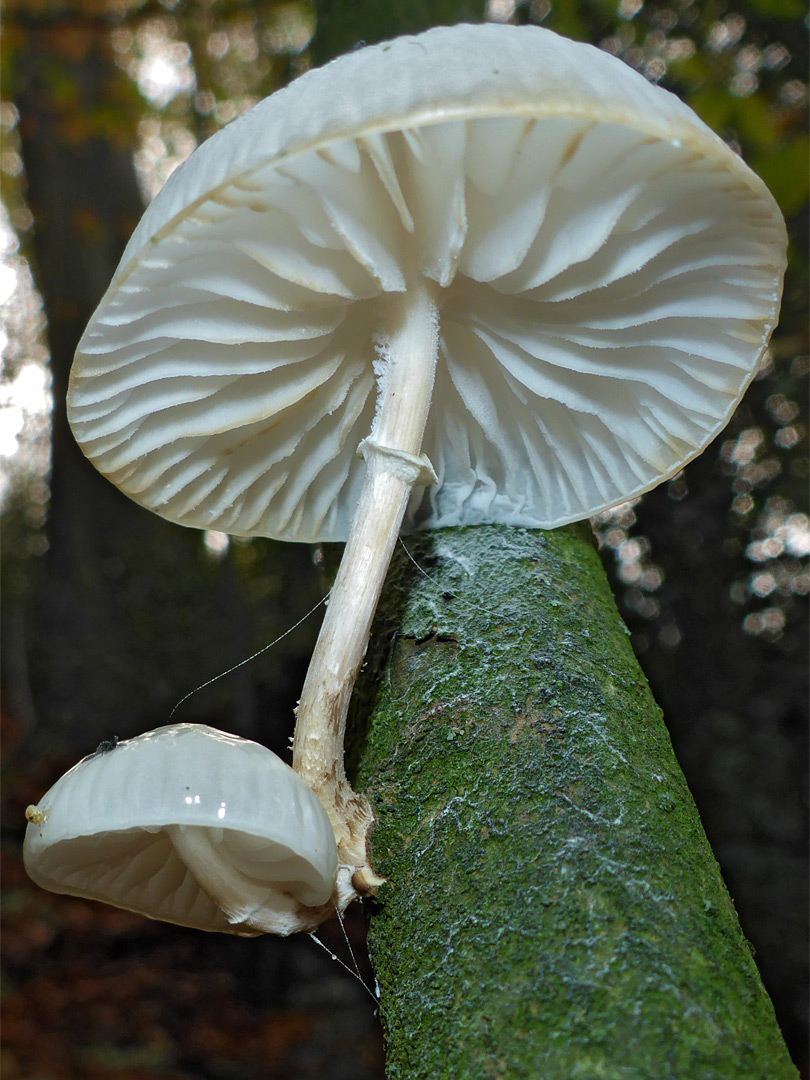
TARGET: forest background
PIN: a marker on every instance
(110, 615)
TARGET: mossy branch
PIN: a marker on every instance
(553, 908)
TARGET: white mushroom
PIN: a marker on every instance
(190, 825)
(484, 274)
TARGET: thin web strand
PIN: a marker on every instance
(248, 659)
(334, 956)
(351, 950)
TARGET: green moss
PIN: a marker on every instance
(553, 908)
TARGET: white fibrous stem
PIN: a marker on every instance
(393, 467)
(256, 903)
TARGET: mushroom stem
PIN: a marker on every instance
(406, 372)
(248, 902)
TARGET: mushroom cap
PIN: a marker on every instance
(610, 273)
(190, 825)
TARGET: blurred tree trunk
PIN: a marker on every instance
(553, 907)
(128, 610)
(83, 193)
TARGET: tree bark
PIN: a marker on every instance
(553, 908)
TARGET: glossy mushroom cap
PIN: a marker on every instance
(607, 274)
(190, 825)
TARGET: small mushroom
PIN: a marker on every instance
(484, 274)
(190, 825)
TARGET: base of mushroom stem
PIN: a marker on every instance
(352, 820)
(355, 883)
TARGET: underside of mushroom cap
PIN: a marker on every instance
(190, 825)
(608, 274)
